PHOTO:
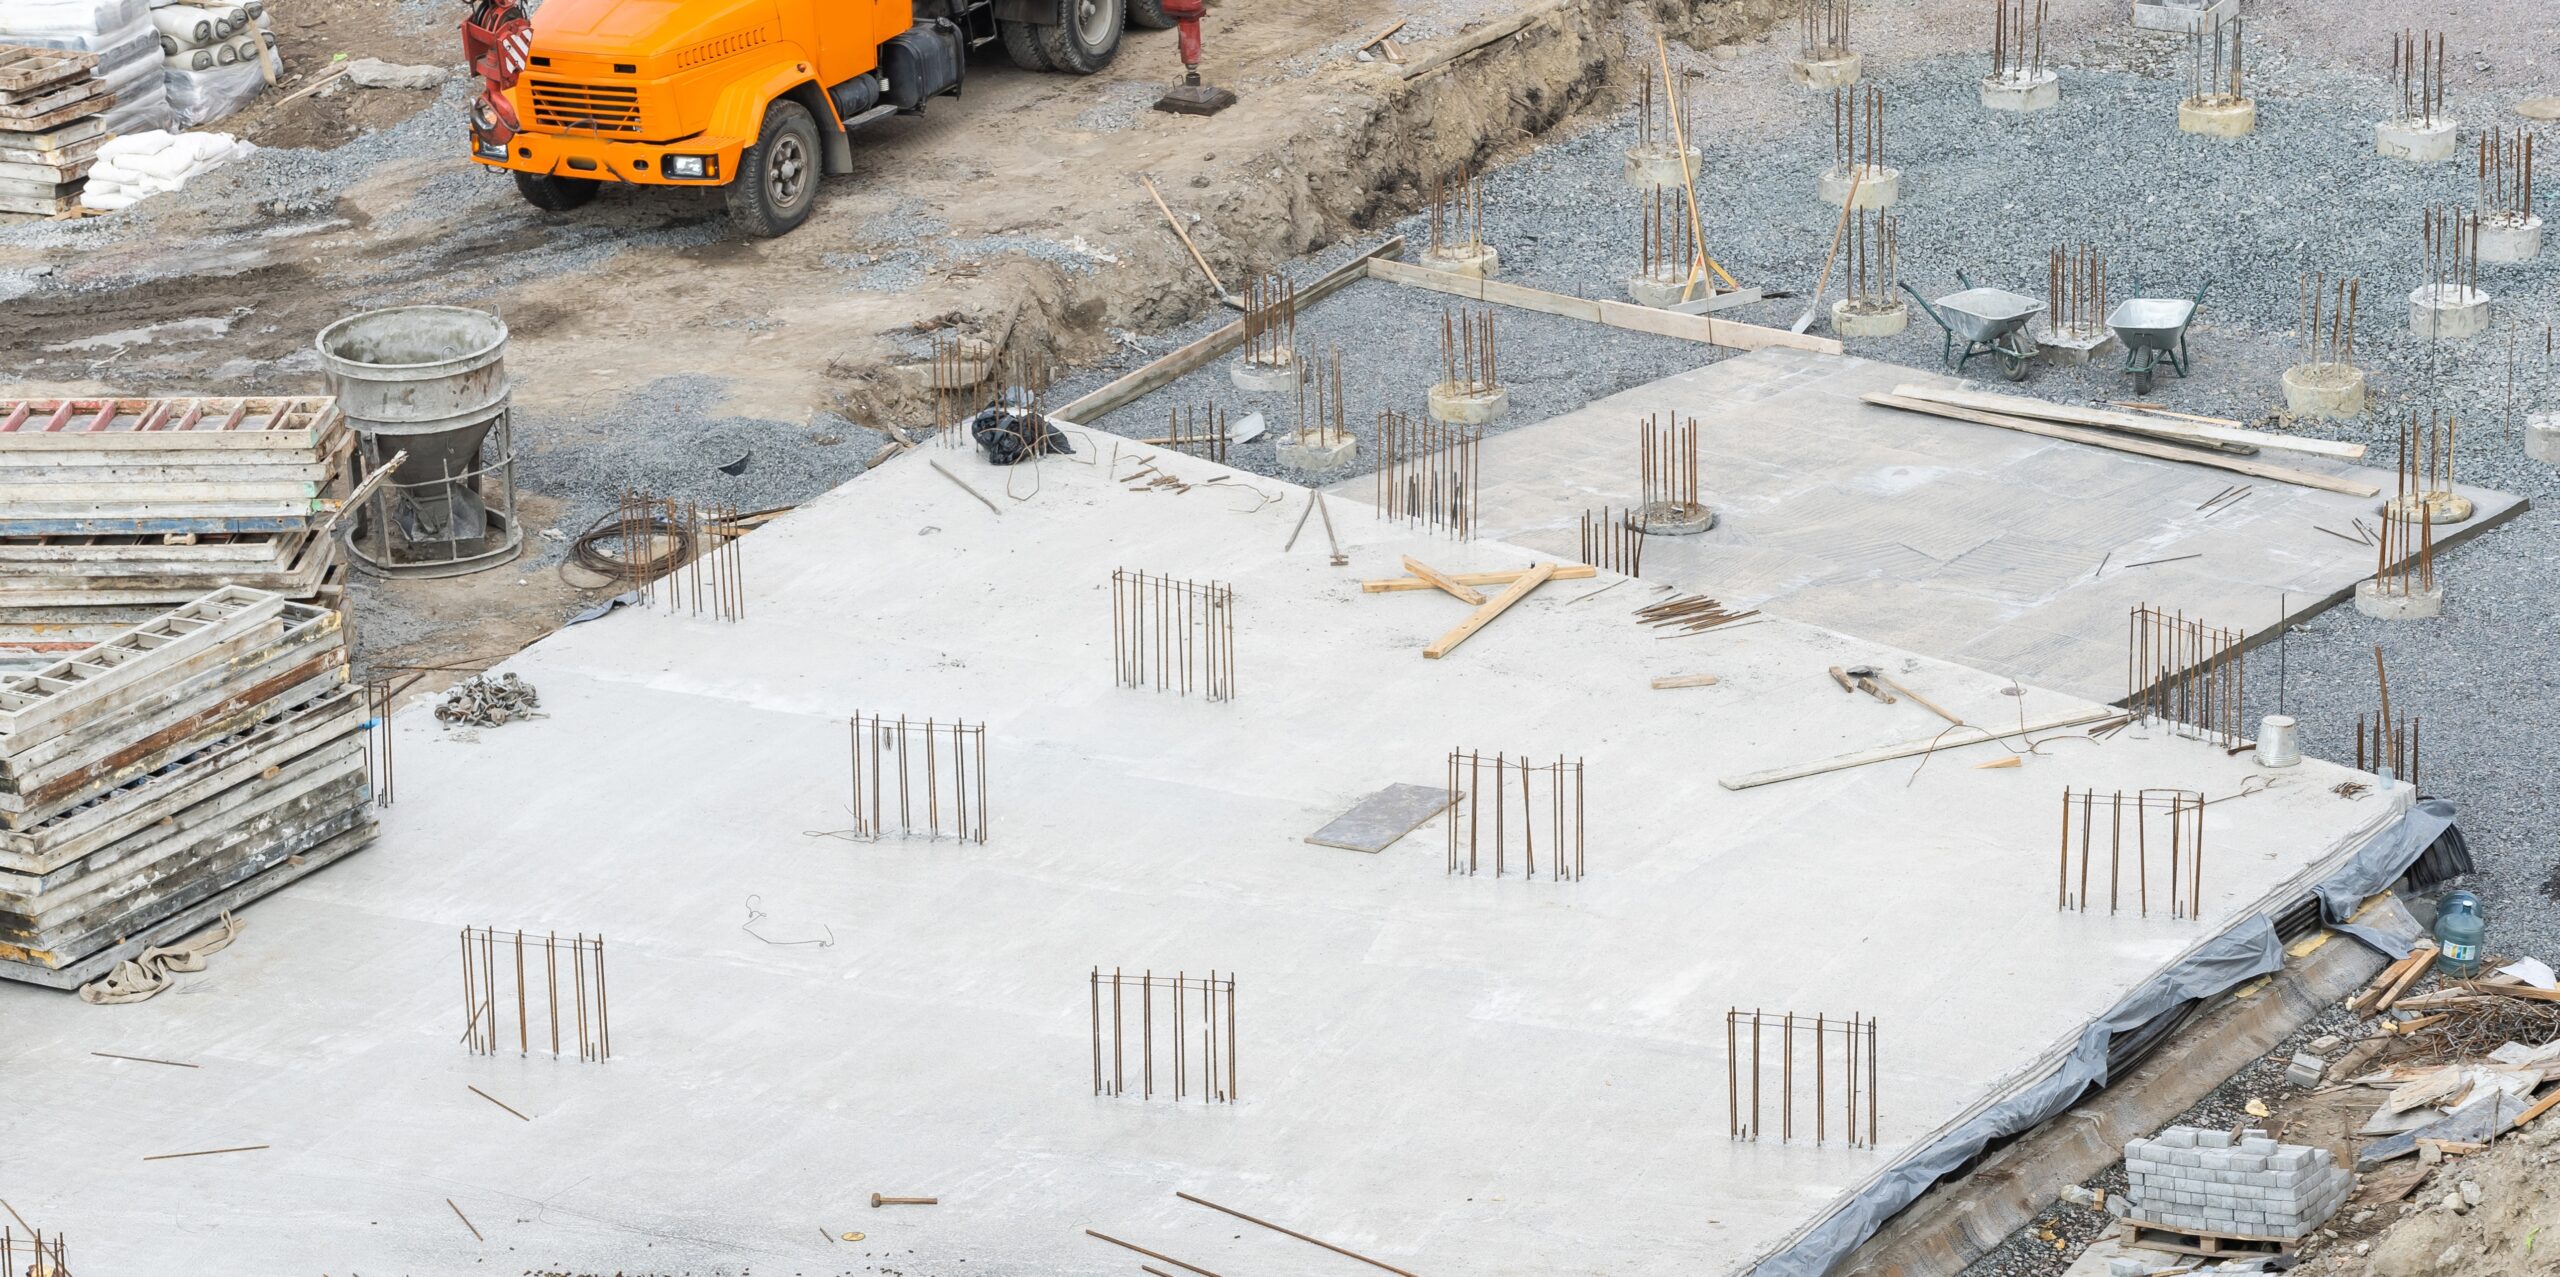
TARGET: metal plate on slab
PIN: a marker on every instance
(1377, 821)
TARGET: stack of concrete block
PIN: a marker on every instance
(2202, 1181)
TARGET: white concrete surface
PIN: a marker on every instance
(1456, 1075)
(2005, 551)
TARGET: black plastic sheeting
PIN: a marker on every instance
(2422, 845)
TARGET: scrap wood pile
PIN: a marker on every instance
(2457, 1068)
(113, 510)
(179, 769)
(52, 109)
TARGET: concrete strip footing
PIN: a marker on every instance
(2542, 437)
(2218, 118)
(1849, 319)
(2182, 18)
(1317, 453)
(2447, 312)
(1449, 403)
(2412, 604)
(2333, 392)
(1881, 187)
(2416, 140)
(1836, 72)
(1652, 166)
(2022, 92)
(1279, 378)
(1480, 261)
(2075, 347)
(2504, 240)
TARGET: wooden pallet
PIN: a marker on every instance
(2212, 1245)
(94, 102)
(249, 424)
(23, 68)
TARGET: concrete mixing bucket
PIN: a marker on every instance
(413, 370)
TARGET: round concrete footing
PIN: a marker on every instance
(1464, 407)
(1317, 452)
(1838, 71)
(1881, 187)
(2448, 312)
(2022, 92)
(2333, 392)
(2394, 605)
(1849, 319)
(2436, 507)
(1652, 166)
(1477, 261)
(2511, 241)
(1279, 378)
(2415, 140)
(2218, 117)
(2542, 437)
(1649, 290)
(1674, 519)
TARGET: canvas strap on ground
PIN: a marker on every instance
(141, 978)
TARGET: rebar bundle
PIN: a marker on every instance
(1482, 828)
(1665, 245)
(949, 761)
(2506, 177)
(1270, 320)
(1199, 1014)
(1822, 29)
(2213, 63)
(1457, 213)
(1173, 635)
(2417, 62)
(1427, 472)
(1197, 432)
(1857, 130)
(1466, 352)
(2426, 459)
(1746, 1035)
(1874, 268)
(2387, 741)
(2075, 291)
(2185, 672)
(2328, 318)
(2179, 812)
(483, 978)
(1667, 464)
(1689, 614)
(1320, 388)
(2405, 553)
(1663, 114)
(1613, 541)
(2450, 239)
(960, 372)
(2017, 38)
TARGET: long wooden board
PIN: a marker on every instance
(1493, 607)
(1627, 315)
(1952, 738)
(2109, 419)
(1393, 584)
(2139, 447)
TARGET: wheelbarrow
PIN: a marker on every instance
(1992, 321)
(2154, 330)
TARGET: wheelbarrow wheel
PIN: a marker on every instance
(2013, 367)
(2142, 381)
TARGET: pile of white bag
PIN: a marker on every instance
(218, 57)
(137, 165)
(119, 32)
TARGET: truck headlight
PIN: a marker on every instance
(693, 167)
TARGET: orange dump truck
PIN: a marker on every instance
(757, 97)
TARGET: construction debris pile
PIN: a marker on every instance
(482, 701)
(179, 769)
(113, 510)
(52, 122)
(2461, 1064)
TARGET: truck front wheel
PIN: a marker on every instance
(1086, 36)
(554, 194)
(777, 181)
(1022, 45)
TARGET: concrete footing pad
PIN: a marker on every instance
(2029, 92)
(1652, 166)
(1835, 72)
(2420, 141)
(2330, 392)
(2447, 313)
(1476, 261)
(1880, 188)
(2542, 437)
(2072, 347)
(2439, 508)
(1674, 519)
(2218, 118)
(1852, 319)
(1465, 407)
(2511, 240)
(2413, 604)
(1317, 453)
(1279, 378)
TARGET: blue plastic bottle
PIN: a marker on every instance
(2459, 931)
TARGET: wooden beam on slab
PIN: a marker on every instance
(2107, 419)
(2138, 447)
(1467, 594)
(1483, 616)
(1160, 373)
(1952, 738)
(1668, 682)
(1643, 319)
(1397, 584)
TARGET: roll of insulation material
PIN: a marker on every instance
(2279, 741)
(189, 60)
(192, 28)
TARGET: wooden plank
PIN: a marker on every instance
(1397, 584)
(1462, 592)
(1473, 41)
(1483, 616)
(1952, 738)
(2540, 1107)
(1136, 385)
(25, 66)
(1668, 682)
(1706, 329)
(2075, 415)
(2138, 447)
(81, 108)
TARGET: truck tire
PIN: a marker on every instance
(1022, 45)
(552, 193)
(1087, 34)
(1149, 14)
(777, 181)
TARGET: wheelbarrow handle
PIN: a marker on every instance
(1924, 305)
(2198, 303)
(1962, 280)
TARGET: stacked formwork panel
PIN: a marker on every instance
(187, 765)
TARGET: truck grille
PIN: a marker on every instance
(580, 108)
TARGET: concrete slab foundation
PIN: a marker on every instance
(1836, 72)
(2330, 392)
(2511, 240)
(1880, 188)
(2218, 118)
(2026, 92)
(2449, 313)
(2421, 141)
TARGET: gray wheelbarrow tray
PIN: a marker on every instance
(1990, 320)
(2154, 329)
